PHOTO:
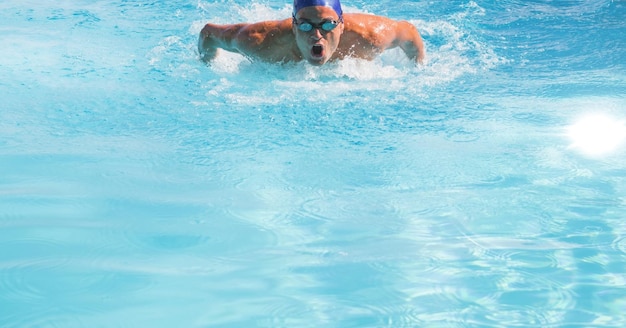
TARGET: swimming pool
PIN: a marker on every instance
(141, 188)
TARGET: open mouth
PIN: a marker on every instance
(317, 50)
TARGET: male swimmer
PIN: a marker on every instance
(318, 32)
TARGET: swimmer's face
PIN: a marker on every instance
(318, 44)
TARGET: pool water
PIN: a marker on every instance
(143, 188)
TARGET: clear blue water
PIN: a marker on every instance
(141, 188)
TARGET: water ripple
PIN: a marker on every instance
(19, 277)
(620, 244)
(50, 316)
(43, 284)
(290, 312)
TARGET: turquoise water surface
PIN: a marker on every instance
(142, 188)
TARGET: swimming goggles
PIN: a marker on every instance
(325, 26)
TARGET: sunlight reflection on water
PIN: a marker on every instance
(596, 135)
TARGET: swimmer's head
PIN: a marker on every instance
(317, 27)
(335, 4)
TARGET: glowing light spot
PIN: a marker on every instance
(597, 134)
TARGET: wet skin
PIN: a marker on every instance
(359, 36)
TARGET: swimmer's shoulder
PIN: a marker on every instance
(362, 19)
(271, 41)
(367, 25)
(265, 33)
(271, 27)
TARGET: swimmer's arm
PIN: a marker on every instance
(213, 37)
(410, 41)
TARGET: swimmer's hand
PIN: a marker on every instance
(410, 40)
(206, 46)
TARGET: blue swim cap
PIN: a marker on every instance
(335, 4)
